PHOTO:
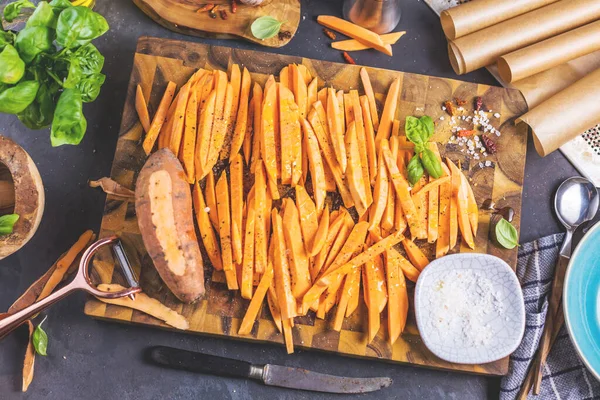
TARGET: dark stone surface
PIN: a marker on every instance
(91, 359)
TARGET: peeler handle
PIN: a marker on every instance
(10, 322)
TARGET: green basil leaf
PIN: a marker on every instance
(39, 114)
(59, 5)
(428, 125)
(89, 87)
(431, 163)
(69, 123)
(42, 16)
(78, 26)
(414, 169)
(265, 27)
(506, 234)
(32, 41)
(416, 132)
(6, 38)
(16, 98)
(7, 223)
(12, 68)
(90, 59)
(40, 340)
(74, 75)
(12, 10)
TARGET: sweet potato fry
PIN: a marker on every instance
(223, 207)
(206, 230)
(283, 286)
(312, 96)
(354, 174)
(389, 112)
(380, 196)
(421, 201)
(159, 118)
(348, 110)
(373, 292)
(208, 84)
(247, 144)
(342, 305)
(388, 220)
(305, 73)
(308, 218)
(442, 246)
(338, 243)
(147, 305)
(315, 162)
(274, 306)
(268, 132)
(366, 82)
(242, 117)
(297, 255)
(236, 177)
(396, 128)
(211, 199)
(300, 90)
(29, 362)
(362, 35)
(416, 256)
(291, 138)
(398, 297)
(164, 137)
(460, 193)
(220, 128)
(336, 130)
(235, 78)
(335, 226)
(330, 183)
(342, 115)
(321, 96)
(320, 236)
(188, 145)
(260, 249)
(205, 125)
(287, 335)
(369, 137)
(409, 270)
(472, 205)
(256, 303)
(142, 108)
(354, 292)
(284, 77)
(355, 45)
(179, 119)
(248, 259)
(362, 144)
(433, 184)
(433, 212)
(257, 95)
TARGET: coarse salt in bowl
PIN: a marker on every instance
(469, 308)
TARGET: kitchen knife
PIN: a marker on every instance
(271, 375)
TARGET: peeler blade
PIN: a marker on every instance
(128, 272)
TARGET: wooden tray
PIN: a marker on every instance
(220, 313)
(181, 16)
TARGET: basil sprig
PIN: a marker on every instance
(419, 131)
(506, 234)
(40, 339)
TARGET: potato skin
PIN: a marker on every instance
(188, 286)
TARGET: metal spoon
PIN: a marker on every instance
(575, 203)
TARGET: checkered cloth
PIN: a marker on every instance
(565, 376)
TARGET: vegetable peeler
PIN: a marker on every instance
(82, 281)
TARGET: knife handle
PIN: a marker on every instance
(198, 362)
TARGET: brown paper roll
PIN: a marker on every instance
(484, 47)
(549, 53)
(542, 86)
(475, 15)
(565, 115)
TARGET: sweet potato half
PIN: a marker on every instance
(163, 205)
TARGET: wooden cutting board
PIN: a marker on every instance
(158, 61)
(181, 16)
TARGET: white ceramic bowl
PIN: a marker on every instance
(444, 329)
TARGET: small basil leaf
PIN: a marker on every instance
(428, 125)
(74, 75)
(431, 163)
(69, 123)
(89, 87)
(59, 5)
(42, 16)
(16, 98)
(32, 41)
(12, 10)
(7, 223)
(39, 114)
(414, 170)
(12, 68)
(90, 59)
(78, 26)
(40, 340)
(6, 38)
(265, 27)
(416, 132)
(506, 234)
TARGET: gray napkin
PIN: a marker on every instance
(564, 376)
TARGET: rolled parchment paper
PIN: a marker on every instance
(542, 86)
(475, 15)
(549, 53)
(484, 47)
(565, 115)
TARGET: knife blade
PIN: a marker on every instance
(269, 374)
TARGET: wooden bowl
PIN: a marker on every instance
(21, 192)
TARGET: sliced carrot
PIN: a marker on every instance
(236, 177)
(369, 137)
(321, 234)
(315, 162)
(207, 117)
(389, 112)
(398, 297)
(362, 144)
(260, 235)
(297, 255)
(268, 132)
(159, 118)
(366, 82)
(308, 218)
(364, 36)
(442, 246)
(355, 45)
(256, 303)
(257, 94)
(380, 196)
(225, 232)
(354, 172)
(283, 286)
(336, 130)
(300, 90)
(241, 118)
(211, 199)
(416, 256)
(207, 233)
(142, 108)
(460, 193)
(247, 144)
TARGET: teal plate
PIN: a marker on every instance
(582, 299)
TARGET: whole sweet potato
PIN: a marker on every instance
(163, 205)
